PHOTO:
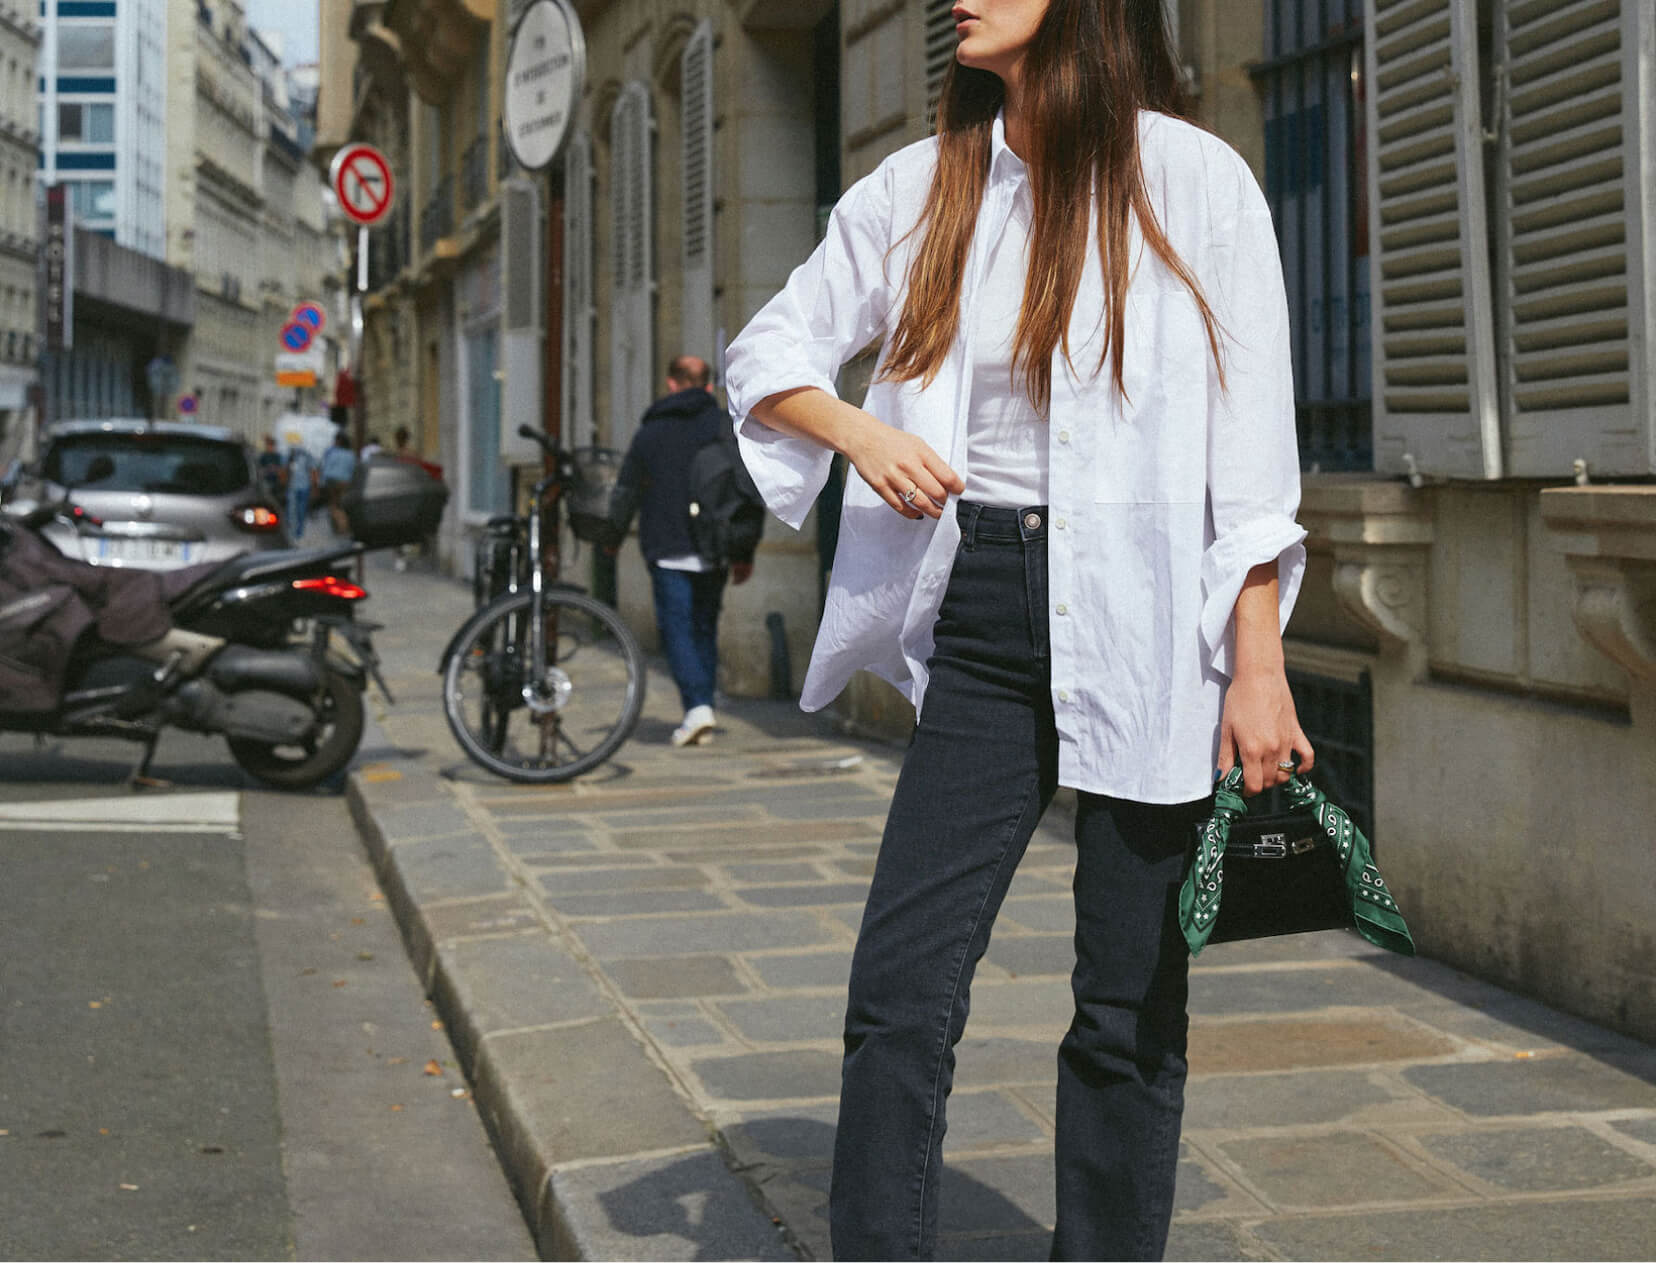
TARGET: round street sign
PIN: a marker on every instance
(361, 180)
(310, 315)
(544, 70)
(296, 337)
(188, 405)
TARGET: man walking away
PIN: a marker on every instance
(688, 586)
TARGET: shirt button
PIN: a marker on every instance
(1060, 523)
(1063, 436)
(1063, 609)
(1063, 695)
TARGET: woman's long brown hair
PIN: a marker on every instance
(1092, 66)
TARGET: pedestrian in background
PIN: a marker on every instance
(371, 448)
(688, 588)
(270, 469)
(1072, 544)
(338, 464)
(300, 475)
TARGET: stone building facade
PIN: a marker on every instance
(1462, 201)
(244, 213)
(19, 220)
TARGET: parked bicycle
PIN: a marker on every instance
(542, 683)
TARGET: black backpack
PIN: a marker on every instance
(727, 513)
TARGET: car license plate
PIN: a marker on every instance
(119, 549)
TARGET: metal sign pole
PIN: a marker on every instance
(362, 259)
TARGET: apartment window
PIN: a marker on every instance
(1316, 180)
(85, 122)
(92, 199)
(86, 46)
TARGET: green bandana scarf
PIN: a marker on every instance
(1373, 908)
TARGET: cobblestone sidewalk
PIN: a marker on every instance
(643, 974)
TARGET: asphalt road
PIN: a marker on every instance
(213, 1044)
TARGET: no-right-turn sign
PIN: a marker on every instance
(361, 179)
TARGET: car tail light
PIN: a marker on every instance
(83, 518)
(328, 585)
(256, 518)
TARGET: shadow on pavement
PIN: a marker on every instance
(1501, 1008)
(679, 1199)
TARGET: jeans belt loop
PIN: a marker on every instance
(968, 514)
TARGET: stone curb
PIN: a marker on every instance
(560, 1198)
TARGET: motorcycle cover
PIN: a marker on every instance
(48, 602)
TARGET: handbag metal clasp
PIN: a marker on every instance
(1300, 846)
(1271, 846)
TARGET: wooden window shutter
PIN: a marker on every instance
(1436, 408)
(696, 72)
(632, 355)
(1574, 234)
(578, 293)
(940, 44)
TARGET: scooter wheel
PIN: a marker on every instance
(303, 766)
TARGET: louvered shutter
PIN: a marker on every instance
(1574, 234)
(941, 42)
(1435, 401)
(632, 355)
(578, 421)
(696, 70)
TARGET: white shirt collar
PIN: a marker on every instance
(1003, 163)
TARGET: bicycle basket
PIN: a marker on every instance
(588, 497)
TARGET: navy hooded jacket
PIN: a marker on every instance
(656, 471)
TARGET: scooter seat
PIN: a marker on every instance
(253, 567)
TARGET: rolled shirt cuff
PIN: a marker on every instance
(789, 472)
(1225, 567)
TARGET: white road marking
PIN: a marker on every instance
(135, 813)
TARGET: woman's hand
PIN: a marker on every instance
(1259, 727)
(893, 462)
(903, 470)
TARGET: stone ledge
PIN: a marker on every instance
(1379, 533)
(1608, 537)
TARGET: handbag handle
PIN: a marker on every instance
(1373, 909)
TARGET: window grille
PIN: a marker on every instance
(1312, 82)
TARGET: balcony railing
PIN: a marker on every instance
(474, 175)
(437, 219)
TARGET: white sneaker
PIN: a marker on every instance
(696, 728)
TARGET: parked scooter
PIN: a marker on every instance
(292, 713)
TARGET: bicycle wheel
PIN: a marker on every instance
(554, 723)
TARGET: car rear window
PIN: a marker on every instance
(156, 463)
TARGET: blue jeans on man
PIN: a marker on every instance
(687, 616)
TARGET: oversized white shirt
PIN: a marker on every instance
(1160, 501)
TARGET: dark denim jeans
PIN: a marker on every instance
(981, 770)
(687, 616)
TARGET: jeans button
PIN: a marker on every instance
(1032, 521)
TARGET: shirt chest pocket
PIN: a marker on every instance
(1152, 441)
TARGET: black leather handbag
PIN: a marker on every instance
(1290, 872)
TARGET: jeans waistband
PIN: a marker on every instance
(984, 524)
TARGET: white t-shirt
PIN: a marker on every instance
(1006, 439)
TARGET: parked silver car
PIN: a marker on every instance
(164, 494)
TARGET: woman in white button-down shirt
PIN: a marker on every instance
(1072, 544)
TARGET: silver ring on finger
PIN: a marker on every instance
(1285, 767)
(911, 495)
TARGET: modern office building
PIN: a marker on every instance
(103, 115)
